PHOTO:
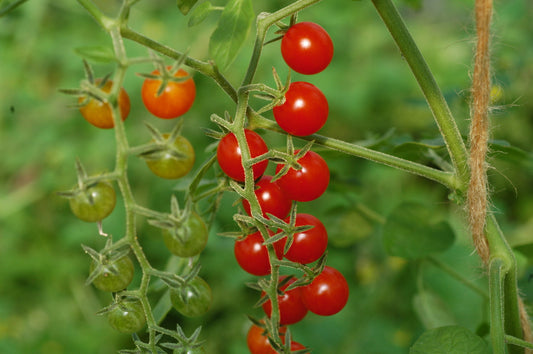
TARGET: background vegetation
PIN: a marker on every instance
(45, 306)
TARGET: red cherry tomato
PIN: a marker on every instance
(252, 254)
(176, 99)
(307, 48)
(307, 246)
(296, 346)
(309, 182)
(291, 306)
(271, 199)
(327, 294)
(258, 341)
(229, 155)
(304, 111)
(99, 113)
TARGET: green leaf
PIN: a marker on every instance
(449, 340)
(415, 231)
(96, 53)
(231, 32)
(502, 150)
(417, 151)
(415, 4)
(186, 5)
(431, 310)
(200, 13)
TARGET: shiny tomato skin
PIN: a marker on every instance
(307, 48)
(188, 239)
(291, 306)
(327, 294)
(252, 254)
(192, 300)
(304, 111)
(94, 203)
(229, 155)
(271, 199)
(116, 274)
(308, 183)
(127, 317)
(99, 113)
(258, 342)
(307, 246)
(175, 100)
(168, 166)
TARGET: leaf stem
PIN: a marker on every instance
(441, 112)
(448, 179)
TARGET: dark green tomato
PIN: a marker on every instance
(94, 203)
(175, 162)
(192, 300)
(115, 276)
(127, 317)
(188, 239)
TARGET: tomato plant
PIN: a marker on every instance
(94, 202)
(127, 316)
(271, 199)
(300, 110)
(193, 299)
(307, 246)
(115, 274)
(174, 100)
(174, 160)
(307, 48)
(304, 111)
(188, 238)
(327, 294)
(230, 159)
(98, 112)
(291, 306)
(307, 183)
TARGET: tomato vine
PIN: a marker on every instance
(270, 237)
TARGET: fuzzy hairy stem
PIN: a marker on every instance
(479, 131)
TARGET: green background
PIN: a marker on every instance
(45, 306)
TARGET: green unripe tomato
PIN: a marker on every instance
(94, 203)
(198, 350)
(188, 239)
(115, 276)
(192, 300)
(127, 316)
(167, 164)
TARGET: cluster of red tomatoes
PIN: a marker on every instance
(308, 49)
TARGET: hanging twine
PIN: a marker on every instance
(479, 130)
(477, 198)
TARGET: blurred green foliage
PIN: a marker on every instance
(45, 306)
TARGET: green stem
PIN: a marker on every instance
(264, 21)
(207, 69)
(427, 83)
(518, 342)
(501, 251)
(11, 7)
(95, 12)
(497, 324)
(448, 179)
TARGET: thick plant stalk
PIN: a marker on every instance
(479, 131)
